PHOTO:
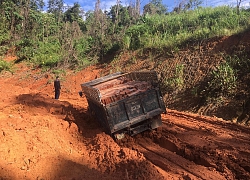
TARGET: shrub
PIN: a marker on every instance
(5, 66)
(223, 81)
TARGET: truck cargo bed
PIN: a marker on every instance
(126, 102)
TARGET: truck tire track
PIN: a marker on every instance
(196, 147)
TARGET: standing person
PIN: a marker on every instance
(57, 87)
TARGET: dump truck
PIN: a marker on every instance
(125, 103)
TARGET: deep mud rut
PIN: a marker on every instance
(43, 138)
(195, 147)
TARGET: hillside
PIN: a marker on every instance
(43, 138)
(185, 75)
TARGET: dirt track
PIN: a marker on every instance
(42, 138)
(196, 147)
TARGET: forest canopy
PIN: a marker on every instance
(69, 37)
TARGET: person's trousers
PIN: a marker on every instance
(57, 93)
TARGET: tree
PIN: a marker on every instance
(155, 7)
(185, 5)
(238, 5)
(149, 9)
(138, 7)
(12, 12)
(121, 17)
(192, 4)
(37, 4)
(73, 13)
(55, 7)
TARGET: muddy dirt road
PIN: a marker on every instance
(44, 138)
(196, 147)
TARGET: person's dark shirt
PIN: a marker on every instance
(57, 84)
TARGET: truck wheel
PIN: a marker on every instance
(119, 136)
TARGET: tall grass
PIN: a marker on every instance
(5, 66)
(175, 29)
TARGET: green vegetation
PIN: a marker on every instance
(5, 66)
(223, 81)
(176, 81)
(174, 29)
(63, 38)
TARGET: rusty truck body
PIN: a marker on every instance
(126, 102)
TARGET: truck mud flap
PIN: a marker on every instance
(138, 129)
(152, 123)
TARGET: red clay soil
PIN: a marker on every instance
(44, 138)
